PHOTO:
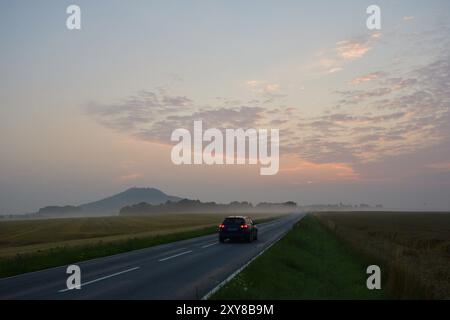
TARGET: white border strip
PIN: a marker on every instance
(234, 274)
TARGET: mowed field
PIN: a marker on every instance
(413, 249)
(29, 245)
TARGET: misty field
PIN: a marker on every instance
(413, 249)
(28, 245)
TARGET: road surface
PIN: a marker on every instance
(187, 269)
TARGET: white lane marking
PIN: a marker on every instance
(174, 256)
(103, 278)
(170, 252)
(209, 245)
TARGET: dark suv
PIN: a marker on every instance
(237, 227)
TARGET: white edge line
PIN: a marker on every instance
(102, 278)
(176, 255)
(234, 274)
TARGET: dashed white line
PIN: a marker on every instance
(102, 278)
(176, 255)
(209, 245)
(170, 252)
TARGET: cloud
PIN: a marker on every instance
(138, 108)
(376, 35)
(300, 171)
(400, 83)
(221, 118)
(178, 101)
(239, 117)
(253, 83)
(334, 59)
(352, 49)
(358, 96)
(152, 116)
(269, 91)
(271, 88)
(334, 70)
(368, 77)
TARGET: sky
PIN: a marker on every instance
(364, 115)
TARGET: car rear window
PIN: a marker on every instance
(229, 221)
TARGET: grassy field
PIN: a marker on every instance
(308, 263)
(413, 249)
(29, 245)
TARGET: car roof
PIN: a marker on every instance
(243, 217)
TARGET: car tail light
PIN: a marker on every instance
(244, 226)
(221, 226)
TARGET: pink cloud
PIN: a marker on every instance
(307, 171)
(367, 77)
(351, 50)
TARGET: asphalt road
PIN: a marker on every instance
(186, 269)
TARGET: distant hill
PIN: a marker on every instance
(131, 196)
(110, 205)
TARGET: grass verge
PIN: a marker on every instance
(308, 263)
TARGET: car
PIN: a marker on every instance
(238, 228)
